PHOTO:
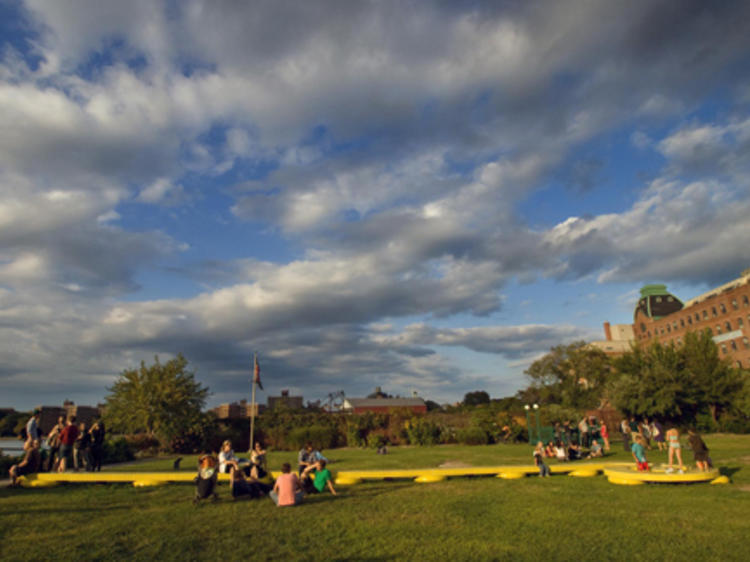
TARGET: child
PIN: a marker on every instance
(700, 451)
(673, 439)
(638, 448)
(539, 460)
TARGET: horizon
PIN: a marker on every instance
(423, 199)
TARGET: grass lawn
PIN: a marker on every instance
(558, 518)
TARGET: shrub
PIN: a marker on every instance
(117, 450)
(473, 436)
(320, 436)
(422, 431)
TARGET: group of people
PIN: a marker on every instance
(585, 434)
(250, 477)
(70, 445)
(672, 437)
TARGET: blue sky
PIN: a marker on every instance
(423, 198)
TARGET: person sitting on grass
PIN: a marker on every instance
(539, 460)
(322, 478)
(305, 458)
(287, 489)
(242, 486)
(700, 451)
(549, 450)
(31, 463)
(638, 449)
(595, 450)
(227, 459)
(561, 453)
(574, 452)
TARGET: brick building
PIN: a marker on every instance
(383, 405)
(724, 311)
(292, 402)
(235, 410)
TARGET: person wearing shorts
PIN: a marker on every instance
(68, 437)
(700, 451)
(673, 439)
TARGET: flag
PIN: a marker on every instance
(256, 374)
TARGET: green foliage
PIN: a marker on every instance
(161, 400)
(676, 383)
(11, 424)
(320, 436)
(475, 398)
(572, 376)
(117, 450)
(472, 436)
(422, 431)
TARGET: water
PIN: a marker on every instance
(11, 445)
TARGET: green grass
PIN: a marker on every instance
(558, 518)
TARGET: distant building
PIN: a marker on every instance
(379, 404)
(617, 339)
(286, 401)
(235, 410)
(723, 311)
(661, 317)
(49, 414)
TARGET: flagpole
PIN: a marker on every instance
(252, 404)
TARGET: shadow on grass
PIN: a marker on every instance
(729, 471)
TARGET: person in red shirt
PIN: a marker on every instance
(68, 437)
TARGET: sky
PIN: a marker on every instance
(422, 196)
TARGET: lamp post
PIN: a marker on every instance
(538, 425)
(528, 421)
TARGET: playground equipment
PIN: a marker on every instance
(616, 472)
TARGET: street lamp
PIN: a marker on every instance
(528, 421)
(538, 425)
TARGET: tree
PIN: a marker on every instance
(163, 401)
(676, 383)
(475, 398)
(572, 376)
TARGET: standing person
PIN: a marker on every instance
(32, 426)
(657, 433)
(305, 458)
(645, 430)
(323, 478)
(31, 463)
(81, 447)
(700, 451)
(583, 433)
(53, 442)
(639, 453)
(539, 460)
(68, 437)
(673, 440)
(634, 428)
(96, 454)
(625, 430)
(287, 489)
(566, 431)
(604, 432)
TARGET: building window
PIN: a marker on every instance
(734, 304)
(682, 322)
(658, 299)
(745, 301)
(723, 308)
(713, 311)
(661, 331)
(746, 343)
(669, 329)
(643, 327)
(739, 364)
(710, 332)
(705, 314)
(740, 323)
(728, 326)
(723, 348)
(734, 345)
(670, 299)
(690, 320)
(649, 333)
(718, 329)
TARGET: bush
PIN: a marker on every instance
(732, 424)
(117, 450)
(473, 436)
(377, 439)
(423, 432)
(321, 437)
